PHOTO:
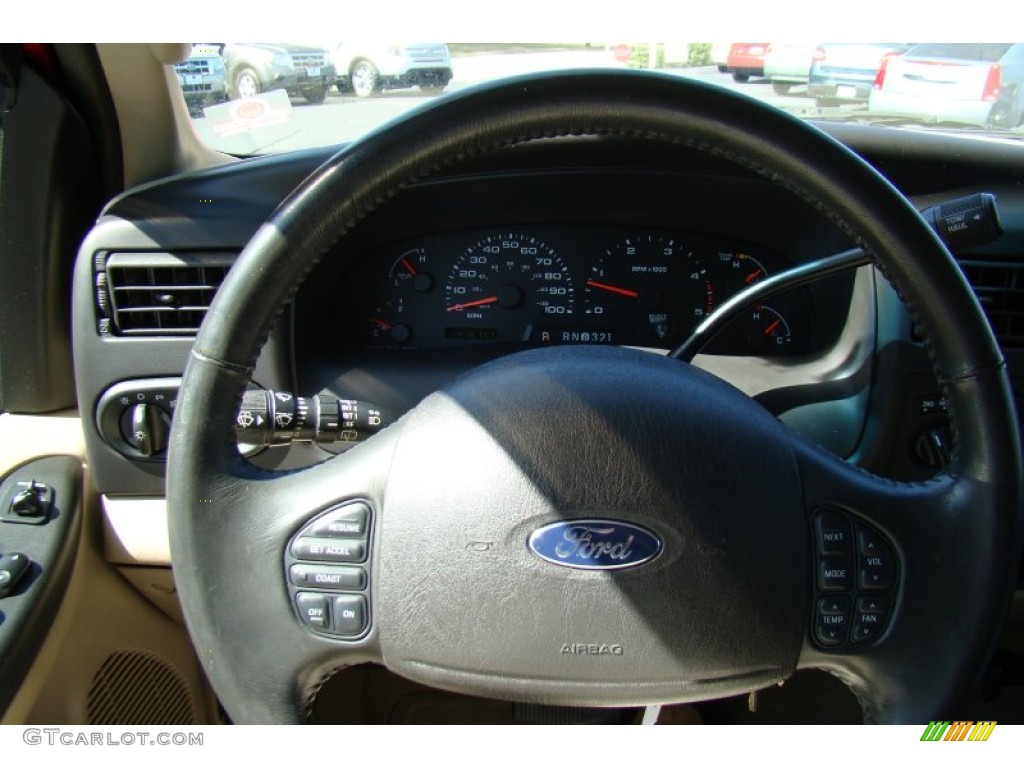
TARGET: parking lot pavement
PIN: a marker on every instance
(343, 118)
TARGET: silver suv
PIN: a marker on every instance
(301, 70)
(202, 78)
(367, 69)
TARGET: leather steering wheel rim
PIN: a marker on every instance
(227, 562)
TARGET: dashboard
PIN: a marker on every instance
(559, 242)
(545, 285)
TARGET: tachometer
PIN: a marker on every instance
(649, 289)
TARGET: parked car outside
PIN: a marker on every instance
(977, 83)
(720, 56)
(845, 72)
(788, 64)
(746, 60)
(368, 69)
(301, 70)
(202, 78)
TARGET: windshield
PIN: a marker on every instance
(259, 98)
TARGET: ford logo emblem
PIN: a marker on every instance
(594, 545)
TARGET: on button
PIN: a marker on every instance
(349, 614)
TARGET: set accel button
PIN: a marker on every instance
(328, 550)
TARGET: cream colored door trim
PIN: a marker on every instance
(135, 530)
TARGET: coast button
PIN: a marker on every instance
(327, 576)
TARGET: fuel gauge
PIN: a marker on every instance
(387, 324)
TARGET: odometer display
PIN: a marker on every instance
(471, 334)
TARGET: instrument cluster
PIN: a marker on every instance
(537, 285)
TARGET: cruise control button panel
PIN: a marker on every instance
(327, 567)
(855, 583)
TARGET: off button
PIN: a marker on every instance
(314, 610)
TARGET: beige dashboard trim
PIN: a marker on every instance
(26, 438)
(135, 530)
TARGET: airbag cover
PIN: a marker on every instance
(585, 434)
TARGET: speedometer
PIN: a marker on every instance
(506, 284)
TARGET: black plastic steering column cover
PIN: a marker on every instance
(229, 521)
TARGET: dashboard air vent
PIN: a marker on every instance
(999, 285)
(157, 294)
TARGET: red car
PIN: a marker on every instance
(746, 59)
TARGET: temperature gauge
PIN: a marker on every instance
(766, 331)
(411, 272)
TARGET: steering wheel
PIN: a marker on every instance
(564, 526)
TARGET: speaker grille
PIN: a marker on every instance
(139, 688)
